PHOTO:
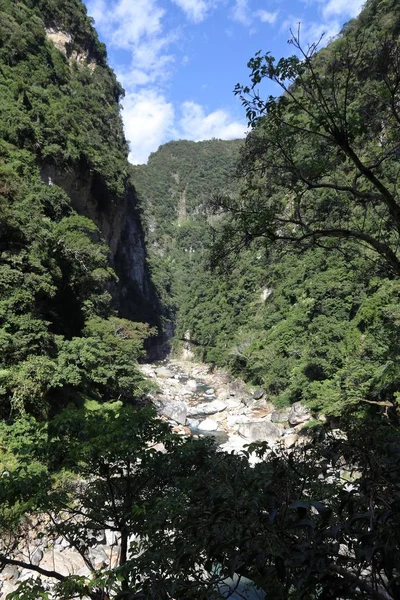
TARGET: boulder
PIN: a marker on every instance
(237, 387)
(209, 408)
(298, 414)
(112, 538)
(98, 557)
(260, 411)
(260, 431)
(37, 557)
(176, 410)
(257, 394)
(191, 384)
(10, 572)
(233, 420)
(290, 440)
(68, 562)
(208, 425)
(280, 416)
(164, 373)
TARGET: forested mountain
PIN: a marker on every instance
(174, 189)
(68, 215)
(300, 224)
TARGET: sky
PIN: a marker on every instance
(179, 60)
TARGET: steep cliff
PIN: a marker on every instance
(62, 105)
(72, 252)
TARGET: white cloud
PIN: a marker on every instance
(126, 23)
(267, 17)
(196, 125)
(195, 10)
(241, 12)
(313, 32)
(136, 26)
(342, 8)
(148, 120)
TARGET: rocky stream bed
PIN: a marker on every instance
(198, 400)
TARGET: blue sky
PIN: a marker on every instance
(179, 60)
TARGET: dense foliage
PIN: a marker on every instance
(59, 337)
(175, 188)
(197, 523)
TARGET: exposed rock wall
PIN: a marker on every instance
(121, 226)
(118, 218)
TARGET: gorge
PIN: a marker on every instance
(271, 456)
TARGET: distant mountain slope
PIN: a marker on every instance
(175, 188)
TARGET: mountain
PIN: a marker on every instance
(72, 244)
(175, 189)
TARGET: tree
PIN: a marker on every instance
(84, 472)
(321, 164)
(192, 522)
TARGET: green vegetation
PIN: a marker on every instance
(307, 234)
(60, 339)
(308, 308)
(175, 189)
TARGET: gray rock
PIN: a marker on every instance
(298, 414)
(233, 403)
(236, 388)
(10, 572)
(210, 408)
(193, 423)
(191, 384)
(257, 394)
(209, 392)
(176, 410)
(164, 373)
(260, 431)
(279, 416)
(237, 420)
(37, 557)
(111, 537)
(61, 541)
(98, 557)
(208, 425)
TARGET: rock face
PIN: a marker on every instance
(120, 225)
(280, 416)
(110, 201)
(298, 414)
